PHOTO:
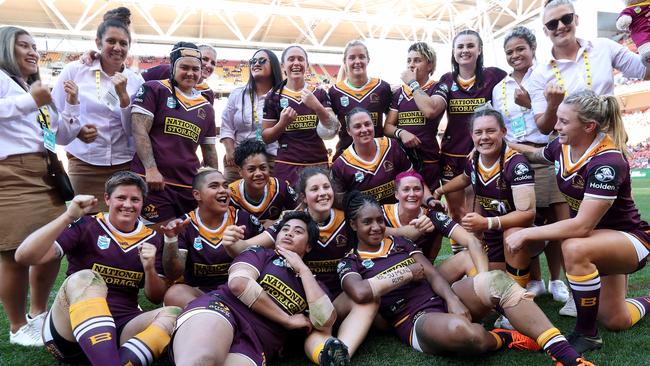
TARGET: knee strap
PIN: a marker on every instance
(498, 285)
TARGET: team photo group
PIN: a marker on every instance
(281, 244)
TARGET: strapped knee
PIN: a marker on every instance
(84, 284)
(498, 285)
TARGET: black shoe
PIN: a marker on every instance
(334, 353)
(582, 343)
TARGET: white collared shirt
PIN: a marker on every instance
(114, 144)
(21, 131)
(516, 111)
(604, 56)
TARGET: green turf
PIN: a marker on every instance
(627, 348)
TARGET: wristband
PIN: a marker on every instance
(172, 240)
(429, 200)
(489, 223)
(398, 132)
(414, 85)
(498, 222)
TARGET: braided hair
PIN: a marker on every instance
(353, 202)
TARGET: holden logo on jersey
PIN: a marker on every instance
(140, 91)
(345, 101)
(198, 245)
(521, 169)
(284, 102)
(255, 221)
(441, 216)
(171, 102)
(605, 174)
(103, 242)
(368, 263)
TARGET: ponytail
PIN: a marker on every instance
(614, 123)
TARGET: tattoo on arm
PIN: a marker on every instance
(141, 125)
(210, 157)
(537, 157)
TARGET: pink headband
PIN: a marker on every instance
(409, 173)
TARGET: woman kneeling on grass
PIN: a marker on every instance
(95, 317)
(605, 233)
(268, 292)
(423, 309)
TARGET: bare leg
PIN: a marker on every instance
(440, 333)
(181, 294)
(203, 339)
(356, 323)
(41, 280)
(13, 289)
(455, 267)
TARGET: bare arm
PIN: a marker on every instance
(533, 154)
(210, 157)
(474, 246)
(174, 259)
(441, 287)
(430, 106)
(234, 243)
(390, 125)
(155, 286)
(141, 127)
(459, 183)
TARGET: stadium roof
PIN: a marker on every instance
(323, 26)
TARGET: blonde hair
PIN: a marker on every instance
(603, 110)
(427, 52)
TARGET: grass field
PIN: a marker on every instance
(631, 347)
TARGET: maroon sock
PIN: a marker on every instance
(586, 290)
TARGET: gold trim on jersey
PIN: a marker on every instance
(568, 168)
(358, 94)
(335, 226)
(408, 93)
(212, 237)
(238, 196)
(296, 96)
(487, 175)
(351, 159)
(187, 103)
(126, 241)
(202, 87)
(391, 214)
(385, 247)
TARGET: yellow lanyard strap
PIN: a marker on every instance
(504, 101)
(588, 78)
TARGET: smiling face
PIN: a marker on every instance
(572, 131)
(293, 236)
(564, 35)
(124, 206)
(519, 54)
(487, 136)
(187, 71)
(356, 62)
(361, 128)
(409, 193)
(26, 55)
(466, 50)
(114, 47)
(255, 172)
(208, 62)
(369, 225)
(213, 193)
(295, 63)
(262, 68)
(418, 63)
(319, 195)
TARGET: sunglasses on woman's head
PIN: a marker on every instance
(260, 61)
(566, 19)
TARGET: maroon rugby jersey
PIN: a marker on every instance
(207, 262)
(442, 223)
(375, 178)
(461, 103)
(278, 197)
(93, 243)
(602, 172)
(176, 132)
(164, 71)
(375, 97)
(412, 120)
(394, 252)
(299, 143)
(325, 255)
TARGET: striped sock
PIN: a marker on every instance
(94, 329)
(499, 340)
(556, 346)
(456, 248)
(144, 347)
(521, 276)
(316, 353)
(638, 308)
(586, 290)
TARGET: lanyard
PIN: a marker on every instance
(588, 77)
(505, 102)
(44, 118)
(256, 121)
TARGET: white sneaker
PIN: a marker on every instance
(36, 322)
(559, 290)
(536, 287)
(569, 309)
(503, 323)
(27, 336)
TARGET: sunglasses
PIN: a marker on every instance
(260, 61)
(566, 19)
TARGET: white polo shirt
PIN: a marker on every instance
(520, 121)
(114, 144)
(604, 55)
